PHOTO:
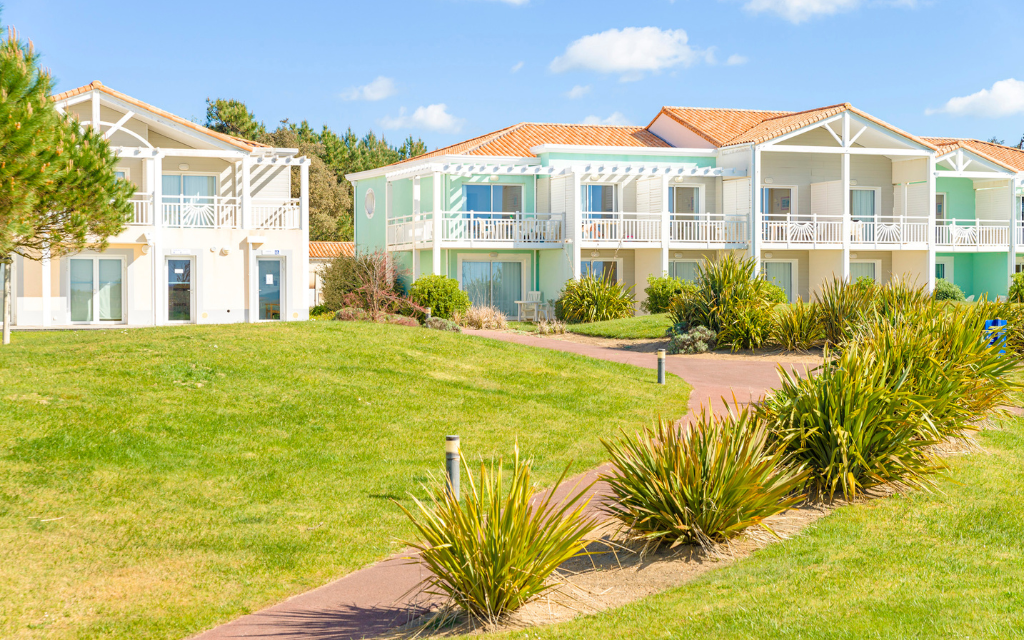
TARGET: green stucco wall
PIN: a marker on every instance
(979, 274)
(959, 197)
(370, 233)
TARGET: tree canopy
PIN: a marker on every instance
(332, 156)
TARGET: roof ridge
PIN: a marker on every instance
(789, 114)
(668, 106)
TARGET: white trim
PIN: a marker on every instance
(947, 262)
(794, 192)
(282, 295)
(634, 151)
(94, 257)
(701, 201)
(875, 261)
(795, 262)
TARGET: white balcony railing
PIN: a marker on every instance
(526, 228)
(275, 213)
(972, 233)
(201, 212)
(142, 209)
(809, 230)
(410, 229)
(1020, 235)
(621, 227)
(890, 230)
(709, 229)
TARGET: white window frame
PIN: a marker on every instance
(794, 192)
(696, 261)
(166, 318)
(878, 199)
(701, 202)
(126, 171)
(501, 257)
(875, 261)
(616, 194)
(617, 261)
(796, 275)
(95, 257)
(282, 294)
(945, 206)
(947, 262)
(215, 176)
(522, 189)
(1019, 262)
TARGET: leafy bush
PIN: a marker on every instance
(701, 484)
(492, 554)
(368, 281)
(592, 299)
(796, 327)
(550, 327)
(319, 310)
(946, 290)
(480, 317)
(443, 324)
(746, 325)
(696, 340)
(661, 290)
(403, 321)
(1016, 293)
(440, 294)
(351, 314)
(773, 293)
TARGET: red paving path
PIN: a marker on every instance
(374, 600)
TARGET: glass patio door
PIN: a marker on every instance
(862, 213)
(493, 284)
(866, 270)
(780, 274)
(270, 289)
(179, 290)
(96, 289)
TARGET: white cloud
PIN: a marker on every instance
(379, 89)
(797, 11)
(735, 59)
(434, 117)
(578, 91)
(616, 119)
(630, 52)
(517, 66)
(1005, 98)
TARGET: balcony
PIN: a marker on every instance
(972, 234)
(709, 230)
(814, 231)
(471, 228)
(215, 212)
(621, 228)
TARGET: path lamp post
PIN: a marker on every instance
(451, 460)
(661, 366)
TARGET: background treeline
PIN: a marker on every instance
(331, 155)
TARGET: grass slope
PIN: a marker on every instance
(946, 564)
(638, 327)
(156, 482)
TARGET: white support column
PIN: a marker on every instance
(47, 286)
(574, 224)
(156, 248)
(95, 110)
(666, 227)
(930, 276)
(755, 208)
(437, 217)
(416, 217)
(247, 222)
(304, 221)
(1013, 230)
(847, 228)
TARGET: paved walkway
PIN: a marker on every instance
(375, 599)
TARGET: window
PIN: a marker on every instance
(862, 214)
(602, 269)
(597, 198)
(493, 198)
(940, 207)
(96, 291)
(179, 290)
(778, 202)
(369, 203)
(683, 269)
(493, 283)
(782, 274)
(684, 199)
(944, 268)
(121, 174)
(194, 188)
(864, 269)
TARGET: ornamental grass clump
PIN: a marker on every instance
(495, 551)
(796, 327)
(481, 317)
(700, 484)
(592, 299)
(841, 307)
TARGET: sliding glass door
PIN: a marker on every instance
(179, 290)
(493, 284)
(96, 287)
(781, 274)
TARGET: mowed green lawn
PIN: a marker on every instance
(945, 564)
(635, 328)
(156, 482)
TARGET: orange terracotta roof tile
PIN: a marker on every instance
(1009, 157)
(718, 126)
(322, 249)
(241, 143)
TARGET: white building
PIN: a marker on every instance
(216, 235)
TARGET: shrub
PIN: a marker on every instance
(696, 340)
(841, 307)
(1016, 292)
(403, 321)
(746, 325)
(339, 283)
(661, 290)
(351, 313)
(773, 293)
(443, 324)
(946, 290)
(592, 299)
(854, 422)
(319, 310)
(368, 281)
(550, 327)
(700, 484)
(796, 327)
(441, 294)
(480, 317)
(492, 554)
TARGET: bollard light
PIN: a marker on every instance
(451, 461)
(428, 313)
(661, 366)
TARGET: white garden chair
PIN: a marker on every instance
(532, 303)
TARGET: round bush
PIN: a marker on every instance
(442, 294)
(946, 290)
(773, 293)
(660, 292)
(443, 324)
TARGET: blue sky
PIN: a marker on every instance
(446, 70)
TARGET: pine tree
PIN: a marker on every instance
(58, 189)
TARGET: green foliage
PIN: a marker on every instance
(946, 290)
(773, 293)
(233, 118)
(661, 290)
(1016, 293)
(746, 324)
(494, 553)
(592, 299)
(319, 310)
(796, 327)
(350, 314)
(840, 307)
(443, 324)
(701, 484)
(441, 294)
(636, 328)
(696, 340)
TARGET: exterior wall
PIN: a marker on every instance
(959, 197)
(370, 232)
(885, 273)
(803, 169)
(554, 272)
(912, 266)
(802, 268)
(980, 274)
(823, 266)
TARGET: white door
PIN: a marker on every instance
(96, 287)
